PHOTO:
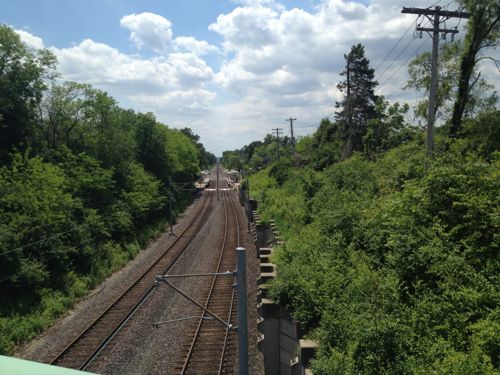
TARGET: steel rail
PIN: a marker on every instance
(231, 307)
(65, 353)
(224, 250)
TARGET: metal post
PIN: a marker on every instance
(217, 187)
(248, 187)
(170, 194)
(241, 277)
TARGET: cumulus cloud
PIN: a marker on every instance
(197, 47)
(30, 40)
(98, 63)
(149, 31)
(295, 53)
(189, 102)
(273, 62)
(250, 27)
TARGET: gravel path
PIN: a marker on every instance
(140, 348)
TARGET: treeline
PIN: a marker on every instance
(84, 184)
(391, 256)
(392, 265)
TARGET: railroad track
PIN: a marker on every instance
(82, 350)
(210, 347)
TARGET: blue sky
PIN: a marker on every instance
(229, 69)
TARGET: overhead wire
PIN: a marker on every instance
(406, 62)
(433, 5)
(395, 59)
(403, 50)
(397, 43)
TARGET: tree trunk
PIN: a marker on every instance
(479, 33)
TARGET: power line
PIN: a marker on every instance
(436, 3)
(397, 43)
(402, 51)
(406, 62)
(395, 59)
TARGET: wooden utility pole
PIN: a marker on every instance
(434, 15)
(279, 131)
(291, 134)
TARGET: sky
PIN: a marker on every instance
(231, 70)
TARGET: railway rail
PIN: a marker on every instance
(83, 349)
(211, 346)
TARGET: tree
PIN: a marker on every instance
(480, 96)
(22, 75)
(326, 144)
(358, 105)
(62, 115)
(151, 147)
(206, 158)
(231, 159)
(483, 30)
(387, 130)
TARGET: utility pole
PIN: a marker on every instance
(434, 15)
(291, 134)
(279, 131)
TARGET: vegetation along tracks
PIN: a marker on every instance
(81, 351)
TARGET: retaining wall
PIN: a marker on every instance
(285, 353)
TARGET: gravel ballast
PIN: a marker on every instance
(140, 347)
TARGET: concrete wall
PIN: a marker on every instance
(284, 352)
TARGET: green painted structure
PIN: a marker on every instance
(16, 366)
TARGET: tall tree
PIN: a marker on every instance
(62, 114)
(483, 30)
(151, 147)
(480, 96)
(358, 104)
(22, 74)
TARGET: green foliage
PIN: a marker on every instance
(482, 134)
(181, 155)
(22, 74)
(483, 31)
(231, 160)
(87, 192)
(481, 97)
(392, 264)
(358, 105)
(207, 159)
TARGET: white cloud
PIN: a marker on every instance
(100, 64)
(149, 31)
(272, 63)
(188, 102)
(250, 27)
(197, 47)
(30, 40)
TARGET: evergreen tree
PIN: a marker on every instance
(358, 104)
